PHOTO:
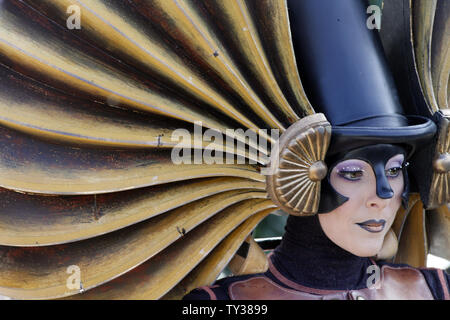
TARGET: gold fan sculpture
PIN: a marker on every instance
(116, 118)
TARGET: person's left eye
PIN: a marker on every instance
(393, 172)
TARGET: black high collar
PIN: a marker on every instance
(309, 258)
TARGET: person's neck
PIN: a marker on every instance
(308, 257)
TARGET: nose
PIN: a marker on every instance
(375, 202)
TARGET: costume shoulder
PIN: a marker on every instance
(207, 293)
(217, 291)
(437, 280)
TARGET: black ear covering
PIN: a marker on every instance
(330, 199)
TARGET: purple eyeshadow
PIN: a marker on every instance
(349, 166)
(395, 164)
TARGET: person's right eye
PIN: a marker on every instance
(351, 175)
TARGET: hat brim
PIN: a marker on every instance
(418, 132)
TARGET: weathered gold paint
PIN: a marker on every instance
(412, 248)
(118, 31)
(209, 269)
(43, 167)
(439, 193)
(255, 262)
(38, 274)
(440, 54)
(438, 229)
(32, 113)
(239, 22)
(180, 232)
(278, 37)
(160, 274)
(402, 213)
(31, 107)
(104, 215)
(188, 20)
(43, 54)
(423, 19)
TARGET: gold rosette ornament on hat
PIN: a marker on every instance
(298, 167)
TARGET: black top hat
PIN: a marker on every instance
(346, 77)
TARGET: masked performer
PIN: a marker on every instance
(96, 204)
(331, 254)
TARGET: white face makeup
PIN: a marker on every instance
(360, 224)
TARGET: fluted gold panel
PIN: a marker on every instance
(438, 229)
(412, 246)
(254, 260)
(440, 183)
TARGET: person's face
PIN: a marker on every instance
(360, 224)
